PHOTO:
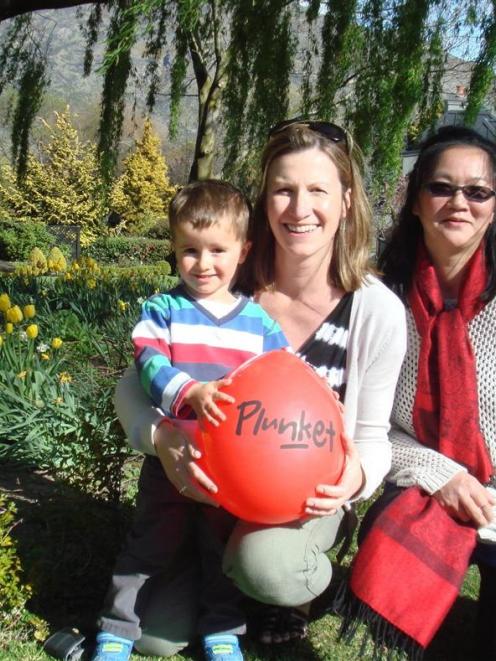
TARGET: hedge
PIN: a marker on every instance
(19, 237)
(124, 250)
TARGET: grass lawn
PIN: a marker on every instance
(67, 543)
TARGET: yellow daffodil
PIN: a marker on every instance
(91, 283)
(32, 331)
(56, 343)
(65, 377)
(14, 314)
(45, 356)
(22, 375)
(68, 276)
(4, 302)
(29, 311)
(9, 328)
(122, 305)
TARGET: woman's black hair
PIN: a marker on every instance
(397, 261)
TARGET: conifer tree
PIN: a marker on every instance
(142, 193)
(62, 185)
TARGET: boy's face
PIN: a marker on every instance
(207, 258)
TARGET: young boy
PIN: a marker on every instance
(185, 343)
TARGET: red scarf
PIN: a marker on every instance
(410, 567)
(446, 408)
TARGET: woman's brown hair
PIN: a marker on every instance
(350, 259)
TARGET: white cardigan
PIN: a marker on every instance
(416, 464)
(376, 346)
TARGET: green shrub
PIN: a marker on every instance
(13, 592)
(125, 250)
(160, 230)
(19, 237)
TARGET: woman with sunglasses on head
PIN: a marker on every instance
(308, 267)
(430, 523)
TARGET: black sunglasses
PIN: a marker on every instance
(471, 192)
(327, 129)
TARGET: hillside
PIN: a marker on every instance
(69, 86)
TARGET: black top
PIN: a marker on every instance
(325, 350)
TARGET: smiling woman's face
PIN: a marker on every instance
(305, 203)
(454, 224)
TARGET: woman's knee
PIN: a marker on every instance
(283, 565)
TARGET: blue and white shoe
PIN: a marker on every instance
(222, 647)
(112, 648)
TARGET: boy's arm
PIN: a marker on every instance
(274, 338)
(201, 397)
(164, 383)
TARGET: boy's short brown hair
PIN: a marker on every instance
(204, 203)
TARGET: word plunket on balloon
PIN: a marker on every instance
(281, 438)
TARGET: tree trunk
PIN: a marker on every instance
(209, 93)
(208, 114)
(11, 8)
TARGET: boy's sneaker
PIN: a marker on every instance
(222, 647)
(112, 648)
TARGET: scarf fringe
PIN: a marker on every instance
(387, 640)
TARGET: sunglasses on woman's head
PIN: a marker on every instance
(471, 192)
(327, 129)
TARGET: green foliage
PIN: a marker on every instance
(63, 186)
(56, 407)
(90, 30)
(92, 457)
(14, 593)
(406, 38)
(376, 65)
(127, 250)
(142, 193)
(341, 40)
(258, 76)
(160, 230)
(121, 28)
(431, 105)
(483, 72)
(178, 75)
(19, 237)
(23, 65)
(36, 404)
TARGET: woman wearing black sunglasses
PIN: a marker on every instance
(309, 268)
(431, 522)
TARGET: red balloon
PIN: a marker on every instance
(282, 437)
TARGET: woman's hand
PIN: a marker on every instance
(331, 498)
(177, 454)
(466, 499)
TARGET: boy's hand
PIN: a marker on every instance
(202, 396)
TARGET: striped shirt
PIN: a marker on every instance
(325, 350)
(178, 342)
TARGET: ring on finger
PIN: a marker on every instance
(183, 489)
